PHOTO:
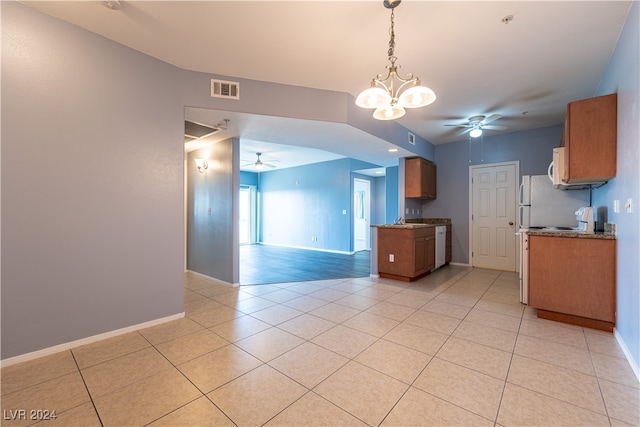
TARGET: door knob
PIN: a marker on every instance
(510, 222)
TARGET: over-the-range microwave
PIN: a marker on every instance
(556, 167)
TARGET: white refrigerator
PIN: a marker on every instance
(541, 205)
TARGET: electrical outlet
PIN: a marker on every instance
(616, 206)
(209, 211)
(391, 258)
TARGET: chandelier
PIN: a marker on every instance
(388, 100)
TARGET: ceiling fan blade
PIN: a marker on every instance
(460, 126)
(491, 118)
(464, 131)
(494, 127)
(269, 165)
(247, 164)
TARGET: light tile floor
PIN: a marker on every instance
(455, 348)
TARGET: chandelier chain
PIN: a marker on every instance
(392, 40)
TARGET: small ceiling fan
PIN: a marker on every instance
(259, 164)
(477, 124)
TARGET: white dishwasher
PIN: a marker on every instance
(441, 244)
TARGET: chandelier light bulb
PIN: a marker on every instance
(475, 133)
(374, 97)
(416, 97)
(389, 112)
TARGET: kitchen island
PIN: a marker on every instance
(408, 251)
(572, 277)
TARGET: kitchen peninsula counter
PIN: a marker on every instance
(407, 251)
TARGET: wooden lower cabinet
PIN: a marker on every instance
(413, 251)
(573, 280)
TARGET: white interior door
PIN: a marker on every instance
(361, 211)
(493, 216)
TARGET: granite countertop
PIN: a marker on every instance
(417, 223)
(405, 226)
(571, 234)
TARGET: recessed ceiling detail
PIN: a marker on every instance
(194, 131)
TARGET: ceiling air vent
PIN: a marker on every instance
(196, 131)
(225, 89)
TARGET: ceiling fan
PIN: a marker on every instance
(477, 124)
(259, 164)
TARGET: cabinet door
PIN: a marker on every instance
(430, 184)
(420, 256)
(573, 276)
(430, 253)
(590, 139)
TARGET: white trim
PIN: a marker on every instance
(374, 276)
(213, 279)
(88, 340)
(311, 249)
(516, 163)
(460, 264)
(627, 353)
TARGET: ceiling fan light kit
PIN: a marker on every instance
(476, 124)
(475, 133)
(390, 102)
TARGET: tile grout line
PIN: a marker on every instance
(93, 403)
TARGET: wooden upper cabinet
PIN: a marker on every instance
(590, 139)
(419, 178)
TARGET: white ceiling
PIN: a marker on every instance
(551, 53)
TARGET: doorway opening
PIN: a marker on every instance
(361, 214)
(248, 215)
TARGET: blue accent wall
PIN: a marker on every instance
(379, 201)
(622, 76)
(248, 178)
(300, 203)
(391, 194)
(533, 148)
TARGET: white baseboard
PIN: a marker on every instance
(213, 279)
(460, 264)
(83, 341)
(310, 249)
(627, 353)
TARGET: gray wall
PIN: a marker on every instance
(533, 148)
(622, 76)
(92, 208)
(212, 211)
